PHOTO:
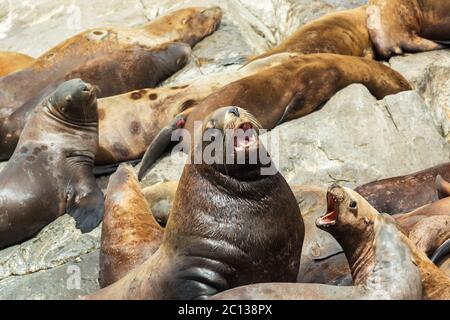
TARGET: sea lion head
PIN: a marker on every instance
(75, 101)
(197, 22)
(230, 138)
(347, 212)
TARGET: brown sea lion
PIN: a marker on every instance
(398, 26)
(381, 262)
(322, 260)
(50, 172)
(12, 62)
(115, 60)
(230, 224)
(129, 122)
(343, 32)
(130, 233)
(404, 193)
(289, 91)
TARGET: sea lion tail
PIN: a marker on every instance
(160, 144)
(442, 187)
(441, 252)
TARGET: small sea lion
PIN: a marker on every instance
(50, 172)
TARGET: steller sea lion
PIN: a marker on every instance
(129, 122)
(113, 59)
(398, 26)
(130, 233)
(230, 224)
(381, 262)
(289, 91)
(405, 193)
(50, 172)
(12, 62)
(343, 32)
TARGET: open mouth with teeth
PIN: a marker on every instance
(331, 216)
(247, 140)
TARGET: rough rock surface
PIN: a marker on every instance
(353, 139)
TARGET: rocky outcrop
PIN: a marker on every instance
(353, 139)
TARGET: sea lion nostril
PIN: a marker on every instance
(235, 111)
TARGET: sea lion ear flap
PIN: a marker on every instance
(442, 187)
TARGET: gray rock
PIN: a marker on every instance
(69, 281)
(57, 244)
(429, 73)
(352, 140)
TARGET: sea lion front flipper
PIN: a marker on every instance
(160, 143)
(418, 44)
(130, 233)
(442, 251)
(442, 187)
(296, 101)
(85, 199)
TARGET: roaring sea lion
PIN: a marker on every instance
(343, 32)
(130, 122)
(50, 172)
(398, 26)
(322, 259)
(230, 224)
(289, 91)
(115, 60)
(381, 262)
(130, 233)
(405, 193)
(13, 61)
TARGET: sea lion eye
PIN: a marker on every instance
(69, 99)
(353, 204)
(185, 20)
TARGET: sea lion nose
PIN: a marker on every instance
(212, 12)
(235, 111)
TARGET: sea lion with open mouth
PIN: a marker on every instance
(286, 92)
(381, 262)
(398, 26)
(50, 172)
(230, 224)
(12, 62)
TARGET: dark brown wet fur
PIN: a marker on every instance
(50, 172)
(222, 232)
(404, 193)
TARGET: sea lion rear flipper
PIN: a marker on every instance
(442, 187)
(85, 199)
(160, 144)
